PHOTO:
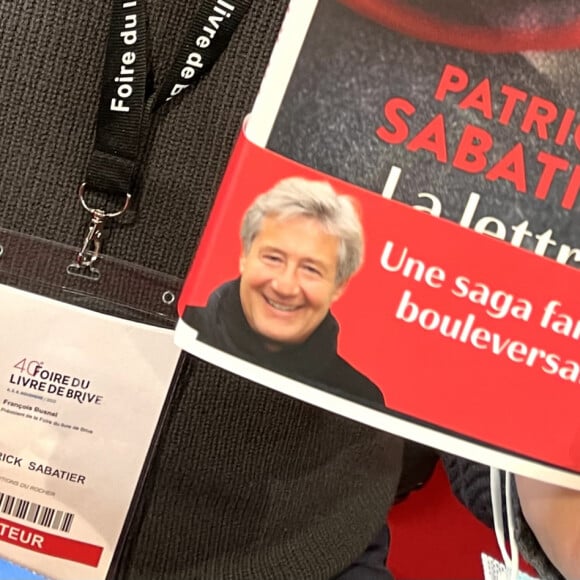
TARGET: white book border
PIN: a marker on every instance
(279, 71)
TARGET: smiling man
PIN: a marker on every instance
(301, 243)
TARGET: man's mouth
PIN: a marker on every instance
(281, 306)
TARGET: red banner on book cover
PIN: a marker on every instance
(473, 343)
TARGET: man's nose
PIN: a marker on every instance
(286, 282)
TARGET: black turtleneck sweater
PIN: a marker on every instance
(222, 324)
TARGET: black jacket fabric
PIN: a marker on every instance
(222, 324)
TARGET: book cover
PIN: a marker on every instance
(326, 272)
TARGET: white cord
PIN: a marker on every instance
(511, 563)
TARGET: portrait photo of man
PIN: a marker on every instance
(301, 243)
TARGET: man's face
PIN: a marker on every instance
(288, 278)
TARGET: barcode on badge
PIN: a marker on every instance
(34, 513)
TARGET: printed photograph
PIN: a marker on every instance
(300, 245)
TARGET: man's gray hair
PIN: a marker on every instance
(296, 196)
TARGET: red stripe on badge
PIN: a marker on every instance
(49, 544)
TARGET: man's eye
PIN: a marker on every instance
(272, 258)
(312, 270)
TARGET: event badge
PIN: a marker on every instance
(81, 394)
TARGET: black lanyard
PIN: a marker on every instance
(125, 109)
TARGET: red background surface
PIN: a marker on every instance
(435, 537)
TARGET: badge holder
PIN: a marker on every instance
(87, 361)
(111, 286)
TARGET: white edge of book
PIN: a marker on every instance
(280, 68)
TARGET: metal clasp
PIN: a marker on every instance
(91, 248)
(92, 244)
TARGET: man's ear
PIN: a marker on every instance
(242, 262)
(338, 291)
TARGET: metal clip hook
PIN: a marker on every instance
(91, 248)
(92, 244)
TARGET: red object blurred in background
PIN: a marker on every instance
(434, 537)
